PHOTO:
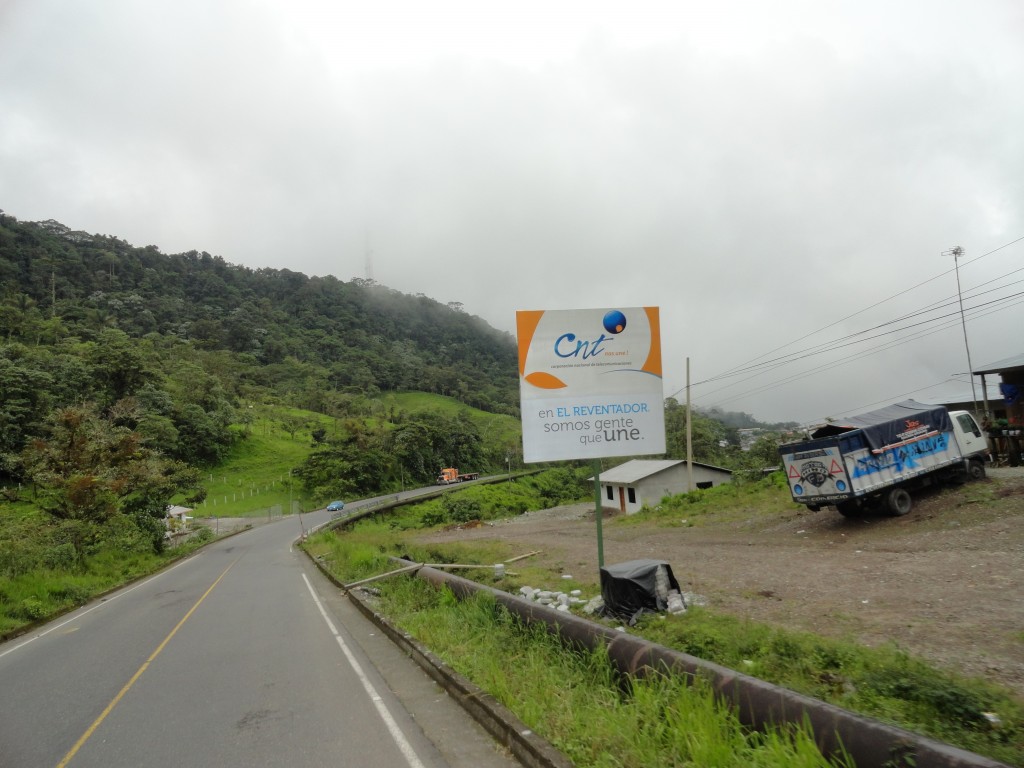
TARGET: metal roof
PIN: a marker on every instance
(999, 366)
(639, 469)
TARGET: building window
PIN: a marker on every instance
(611, 493)
(632, 495)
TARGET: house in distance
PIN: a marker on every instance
(630, 486)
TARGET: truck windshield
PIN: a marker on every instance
(968, 424)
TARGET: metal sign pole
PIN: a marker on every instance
(597, 512)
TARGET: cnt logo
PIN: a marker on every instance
(569, 345)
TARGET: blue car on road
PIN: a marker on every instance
(336, 506)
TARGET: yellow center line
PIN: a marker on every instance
(127, 686)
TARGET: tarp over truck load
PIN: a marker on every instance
(635, 586)
(893, 425)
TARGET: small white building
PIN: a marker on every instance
(630, 486)
(177, 518)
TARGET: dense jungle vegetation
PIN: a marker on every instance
(127, 376)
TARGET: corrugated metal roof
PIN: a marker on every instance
(1017, 361)
(638, 469)
(965, 395)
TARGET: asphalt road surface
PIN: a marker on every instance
(242, 655)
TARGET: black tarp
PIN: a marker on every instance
(628, 589)
(893, 424)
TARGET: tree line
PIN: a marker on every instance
(289, 329)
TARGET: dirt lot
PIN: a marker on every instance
(945, 582)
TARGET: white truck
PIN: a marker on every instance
(876, 459)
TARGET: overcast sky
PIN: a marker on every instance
(775, 176)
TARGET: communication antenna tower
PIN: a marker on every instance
(369, 262)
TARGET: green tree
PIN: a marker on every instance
(90, 472)
(119, 365)
(344, 469)
(23, 400)
(707, 435)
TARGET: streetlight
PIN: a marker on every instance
(956, 252)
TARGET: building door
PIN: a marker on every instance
(622, 499)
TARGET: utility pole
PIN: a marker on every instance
(689, 432)
(956, 252)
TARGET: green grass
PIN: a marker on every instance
(256, 477)
(576, 700)
(884, 682)
(735, 501)
(495, 428)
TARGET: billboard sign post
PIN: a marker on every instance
(590, 385)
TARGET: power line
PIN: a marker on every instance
(848, 341)
(748, 365)
(849, 359)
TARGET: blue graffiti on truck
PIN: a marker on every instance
(904, 458)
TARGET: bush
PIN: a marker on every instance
(32, 609)
(61, 556)
(460, 510)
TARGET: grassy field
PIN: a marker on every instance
(256, 477)
(256, 480)
(495, 429)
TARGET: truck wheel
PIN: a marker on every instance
(976, 470)
(848, 509)
(898, 502)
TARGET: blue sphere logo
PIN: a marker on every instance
(615, 321)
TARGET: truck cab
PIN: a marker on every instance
(973, 442)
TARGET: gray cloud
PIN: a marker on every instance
(757, 175)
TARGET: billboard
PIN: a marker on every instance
(590, 383)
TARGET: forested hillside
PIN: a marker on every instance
(298, 335)
(123, 371)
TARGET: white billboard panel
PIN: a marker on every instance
(590, 383)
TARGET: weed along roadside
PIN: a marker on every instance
(838, 734)
(764, 712)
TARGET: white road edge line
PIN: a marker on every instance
(103, 602)
(396, 733)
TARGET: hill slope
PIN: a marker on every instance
(358, 337)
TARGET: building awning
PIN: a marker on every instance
(1001, 366)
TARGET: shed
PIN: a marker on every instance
(1011, 386)
(1006, 436)
(640, 482)
(177, 518)
(964, 400)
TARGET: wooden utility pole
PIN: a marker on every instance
(689, 432)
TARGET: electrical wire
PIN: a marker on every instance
(950, 323)
(760, 368)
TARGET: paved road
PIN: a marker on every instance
(242, 655)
